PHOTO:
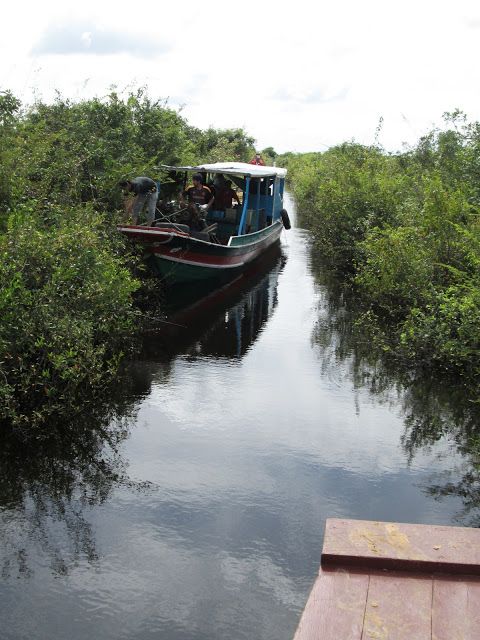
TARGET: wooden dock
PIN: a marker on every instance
(392, 581)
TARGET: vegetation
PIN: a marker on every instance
(71, 291)
(404, 230)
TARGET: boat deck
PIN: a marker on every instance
(394, 581)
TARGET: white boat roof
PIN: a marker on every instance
(236, 169)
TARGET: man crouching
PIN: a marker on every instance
(146, 193)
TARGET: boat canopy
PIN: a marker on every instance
(234, 169)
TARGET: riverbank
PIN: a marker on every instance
(404, 232)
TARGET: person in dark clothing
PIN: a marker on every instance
(199, 199)
(146, 193)
(198, 194)
(225, 196)
(191, 216)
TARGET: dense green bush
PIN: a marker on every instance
(345, 192)
(446, 331)
(405, 229)
(65, 309)
(70, 293)
(396, 270)
(76, 152)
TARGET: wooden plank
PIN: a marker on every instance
(398, 607)
(336, 606)
(456, 609)
(390, 545)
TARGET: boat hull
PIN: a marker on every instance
(175, 256)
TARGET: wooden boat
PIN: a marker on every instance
(234, 237)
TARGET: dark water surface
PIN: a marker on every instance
(194, 508)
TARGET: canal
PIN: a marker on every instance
(193, 506)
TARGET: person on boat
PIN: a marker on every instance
(257, 159)
(198, 194)
(199, 198)
(145, 192)
(193, 218)
(225, 196)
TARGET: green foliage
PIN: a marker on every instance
(406, 228)
(446, 331)
(69, 292)
(9, 109)
(222, 145)
(65, 308)
(343, 194)
(396, 270)
(78, 152)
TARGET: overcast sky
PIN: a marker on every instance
(298, 75)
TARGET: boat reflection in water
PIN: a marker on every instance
(221, 321)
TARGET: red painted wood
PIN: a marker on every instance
(456, 609)
(398, 607)
(351, 603)
(401, 546)
(335, 607)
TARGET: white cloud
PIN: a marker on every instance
(84, 36)
(296, 75)
(86, 39)
(315, 95)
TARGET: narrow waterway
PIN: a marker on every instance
(240, 429)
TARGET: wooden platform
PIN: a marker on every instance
(391, 581)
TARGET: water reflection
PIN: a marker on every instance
(49, 488)
(202, 515)
(433, 409)
(49, 485)
(205, 320)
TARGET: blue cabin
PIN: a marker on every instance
(260, 191)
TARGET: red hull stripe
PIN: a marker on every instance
(151, 234)
(158, 243)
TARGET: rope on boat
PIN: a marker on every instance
(170, 236)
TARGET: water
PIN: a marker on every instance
(193, 507)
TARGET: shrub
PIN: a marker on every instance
(65, 309)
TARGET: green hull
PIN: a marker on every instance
(173, 272)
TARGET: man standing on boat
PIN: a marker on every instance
(257, 159)
(146, 192)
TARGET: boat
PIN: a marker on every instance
(233, 238)
(204, 318)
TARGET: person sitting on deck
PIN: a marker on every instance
(200, 199)
(198, 194)
(146, 192)
(191, 216)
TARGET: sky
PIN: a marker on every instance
(298, 76)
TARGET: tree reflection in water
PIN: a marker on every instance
(434, 409)
(207, 320)
(48, 485)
